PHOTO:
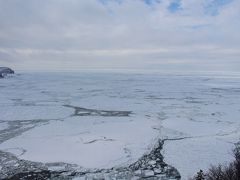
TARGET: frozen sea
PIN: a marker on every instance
(108, 120)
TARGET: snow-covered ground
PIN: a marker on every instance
(97, 120)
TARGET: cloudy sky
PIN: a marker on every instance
(157, 35)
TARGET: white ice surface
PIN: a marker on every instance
(9, 113)
(191, 155)
(88, 142)
(198, 114)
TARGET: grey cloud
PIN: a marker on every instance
(130, 34)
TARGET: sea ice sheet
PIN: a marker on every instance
(99, 120)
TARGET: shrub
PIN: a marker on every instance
(229, 172)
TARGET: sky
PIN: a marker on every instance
(153, 35)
